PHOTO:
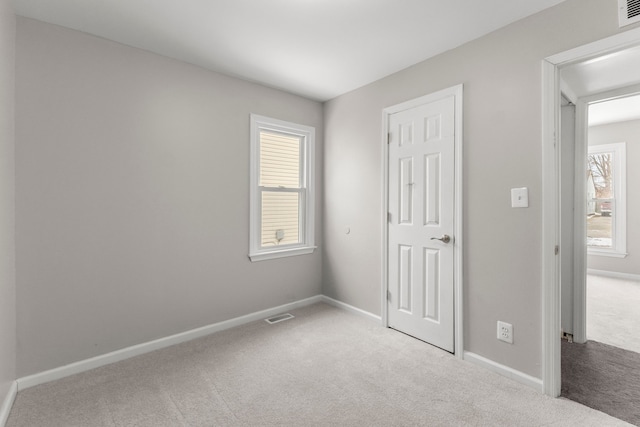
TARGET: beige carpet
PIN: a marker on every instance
(613, 316)
(325, 367)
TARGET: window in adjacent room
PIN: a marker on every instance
(281, 205)
(606, 200)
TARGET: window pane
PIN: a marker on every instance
(279, 160)
(600, 168)
(600, 225)
(600, 189)
(280, 218)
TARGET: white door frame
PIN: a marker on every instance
(456, 92)
(551, 321)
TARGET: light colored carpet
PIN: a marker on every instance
(613, 316)
(325, 367)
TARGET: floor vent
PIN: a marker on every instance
(628, 12)
(279, 318)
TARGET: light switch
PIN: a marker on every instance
(520, 197)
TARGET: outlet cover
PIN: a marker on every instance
(505, 332)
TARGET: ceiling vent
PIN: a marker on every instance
(628, 12)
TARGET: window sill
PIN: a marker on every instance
(281, 253)
(607, 253)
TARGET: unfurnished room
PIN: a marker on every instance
(319, 213)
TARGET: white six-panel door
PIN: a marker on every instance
(421, 217)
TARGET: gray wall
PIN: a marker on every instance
(132, 197)
(628, 132)
(7, 204)
(501, 73)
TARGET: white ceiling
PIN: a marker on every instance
(616, 70)
(617, 110)
(315, 48)
(611, 71)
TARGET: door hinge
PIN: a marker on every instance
(388, 295)
(388, 216)
(557, 250)
(388, 138)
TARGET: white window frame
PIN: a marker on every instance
(307, 221)
(619, 216)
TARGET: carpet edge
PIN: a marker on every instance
(146, 347)
(505, 371)
(7, 403)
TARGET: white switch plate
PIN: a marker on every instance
(520, 197)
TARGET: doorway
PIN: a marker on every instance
(603, 53)
(596, 131)
(613, 236)
(422, 227)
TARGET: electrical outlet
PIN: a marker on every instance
(505, 332)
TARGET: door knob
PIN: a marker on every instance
(444, 239)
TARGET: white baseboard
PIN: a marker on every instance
(614, 274)
(136, 350)
(7, 403)
(521, 377)
(351, 308)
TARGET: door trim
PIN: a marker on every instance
(551, 321)
(456, 92)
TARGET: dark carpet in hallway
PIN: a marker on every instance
(602, 377)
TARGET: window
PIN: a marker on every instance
(281, 204)
(606, 200)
